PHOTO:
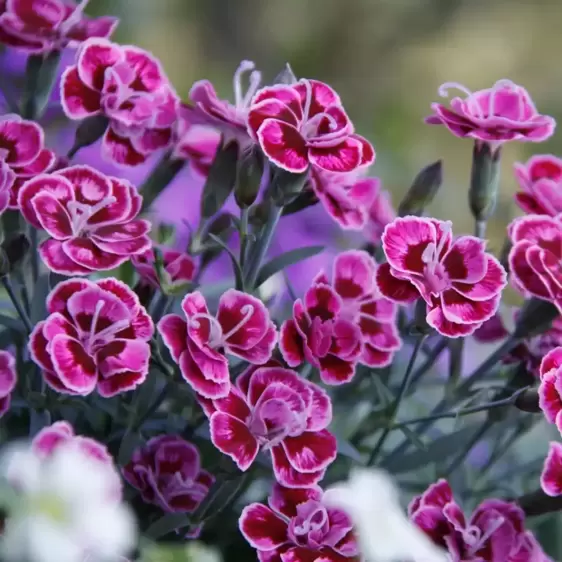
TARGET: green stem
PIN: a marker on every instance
(243, 236)
(396, 405)
(458, 460)
(15, 301)
(262, 245)
(34, 240)
(429, 361)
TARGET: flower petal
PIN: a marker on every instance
(173, 330)
(52, 216)
(436, 319)
(551, 477)
(22, 139)
(56, 259)
(123, 355)
(291, 343)
(460, 309)
(344, 157)
(394, 289)
(354, 274)
(96, 56)
(192, 374)
(73, 365)
(311, 451)
(287, 476)
(262, 528)
(335, 371)
(234, 439)
(286, 500)
(283, 145)
(120, 150)
(85, 253)
(78, 101)
(466, 260)
(490, 285)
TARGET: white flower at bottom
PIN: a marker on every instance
(385, 533)
(66, 509)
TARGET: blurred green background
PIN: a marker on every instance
(386, 58)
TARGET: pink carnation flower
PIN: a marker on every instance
(305, 124)
(274, 409)
(540, 180)
(460, 283)
(344, 323)
(495, 532)
(495, 115)
(229, 118)
(47, 25)
(22, 156)
(550, 387)
(535, 260)
(380, 213)
(167, 472)
(96, 337)
(61, 433)
(297, 526)
(89, 217)
(8, 380)
(178, 268)
(345, 197)
(197, 144)
(551, 477)
(199, 343)
(129, 87)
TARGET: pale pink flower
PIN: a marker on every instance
(199, 344)
(128, 86)
(540, 179)
(8, 380)
(355, 300)
(90, 218)
(45, 25)
(298, 526)
(167, 472)
(96, 337)
(494, 116)
(535, 260)
(381, 212)
(495, 532)
(274, 409)
(460, 283)
(305, 124)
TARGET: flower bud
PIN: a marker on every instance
(535, 318)
(423, 190)
(221, 179)
(286, 186)
(248, 177)
(88, 132)
(12, 253)
(484, 181)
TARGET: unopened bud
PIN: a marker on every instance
(221, 179)
(286, 186)
(536, 317)
(286, 76)
(248, 177)
(423, 190)
(88, 132)
(484, 181)
(307, 198)
(12, 253)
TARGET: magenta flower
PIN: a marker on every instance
(540, 180)
(550, 387)
(47, 25)
(61, 433)
(197, 144)
(167, 472)
(89, 217)
(460, 283)
(495, 115)
(178, 268)
(495, 532)
(96, 337)
(22, 156)
(129, 87)
(535, 260)
(8, 380)
(380, 213)
(306, 124)
(199, 344)
(274, 409)
(551, 476)
(322, 334)
(229, 118)
(298, 527)
(345, 197)
(357, 318)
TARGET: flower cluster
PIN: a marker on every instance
(95, 338)
(495, 532)
(460, 283)
(338, 325)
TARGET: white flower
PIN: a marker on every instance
(385, 533)
(66, 509)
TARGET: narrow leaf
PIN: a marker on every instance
(38, 302)
(167, 524)
(235, 264)
(291, 257)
